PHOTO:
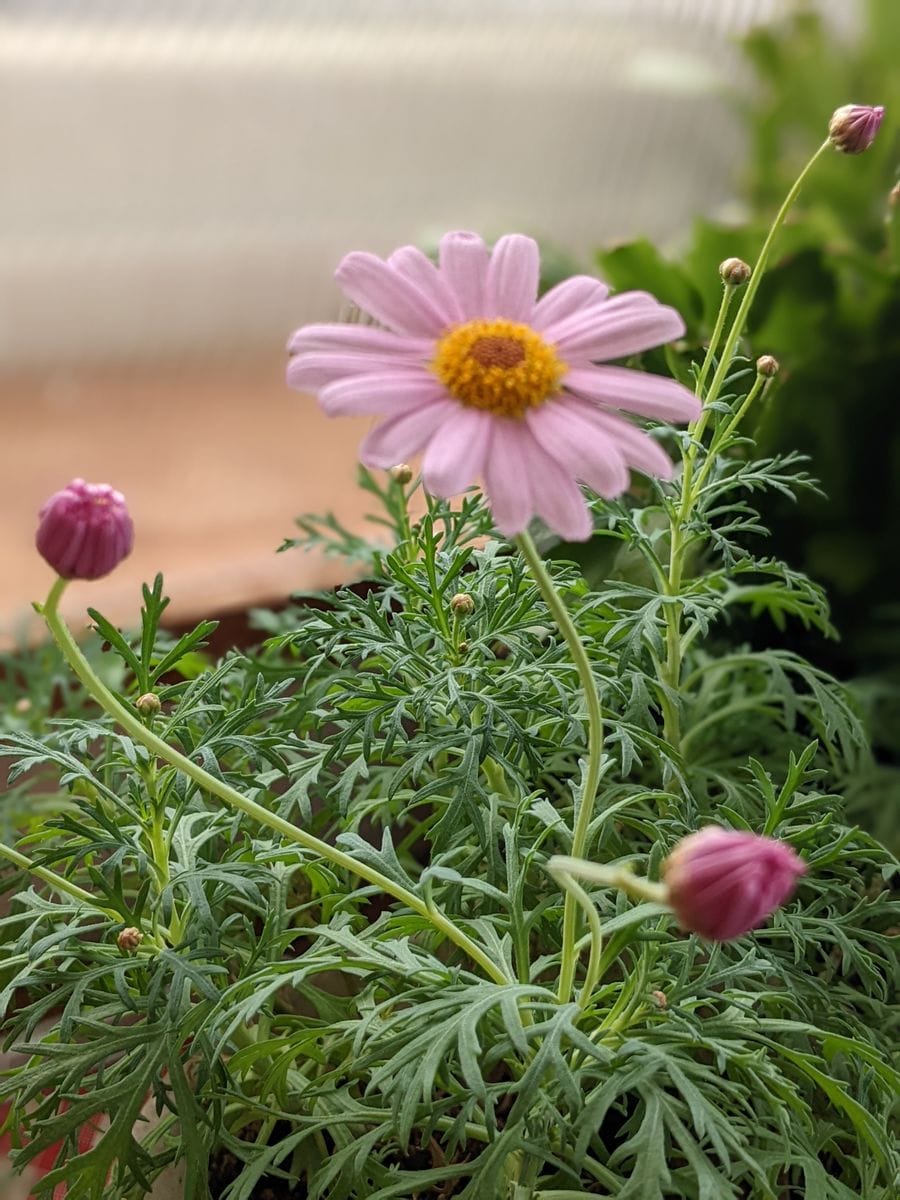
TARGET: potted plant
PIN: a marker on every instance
(477, 881)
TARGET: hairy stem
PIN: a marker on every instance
(712, 348)
(572, 888)
(680, 515)
(585, 805)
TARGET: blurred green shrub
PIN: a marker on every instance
(829, 310)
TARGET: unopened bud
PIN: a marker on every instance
(85, 530)
(735, 272)
(767, 365)
(500, 650)
(852, 127)
(401, 474)
(22, 706)
(462, 648)
(462, 604)
(148, 705)
(129, 940)
(724, 882)
(659, 999)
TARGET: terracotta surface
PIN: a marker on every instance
(215, 464)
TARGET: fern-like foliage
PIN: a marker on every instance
(326, 1037)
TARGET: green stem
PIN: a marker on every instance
(621, 877)
(572, 888)
(493, 773)
(752, 704)
(59, 882)
(584, 806)
(725, 304)
(720, 437)
(759, 270)
(159, 850)
(407, 545)
(437, 601)
(679, 518)
(235, 799)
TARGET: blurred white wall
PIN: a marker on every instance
(181, 176)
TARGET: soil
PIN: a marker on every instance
(224, 1168)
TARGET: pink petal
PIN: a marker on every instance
(566, 299)
(585, 451)
(326, 353)
(455, 458)
(389, 296)
(310, 372)
(561, 503)
(637, 448)
(512, 278)
(384, 392)
(521, 479)
(626, 324)
(400, 437)
(635, 391)
(358, 339)
(506, 477)
(420, 270)
(464, 260)
(722, 883)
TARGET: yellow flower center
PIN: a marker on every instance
(500, 366)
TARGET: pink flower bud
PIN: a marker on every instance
(85, 530)
(853, 127)
(722, 883)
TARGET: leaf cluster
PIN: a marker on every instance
(326, 1037)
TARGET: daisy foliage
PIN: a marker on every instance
(297, 921)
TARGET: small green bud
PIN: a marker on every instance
(401, 474)
(462, 604)
(768, 366)
(148, 705)
(129, 939)
(735, 272)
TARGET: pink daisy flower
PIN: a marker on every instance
(491, 383)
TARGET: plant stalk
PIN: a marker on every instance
(679, 518)
(59, 882)
(584, 806)
(250, 808)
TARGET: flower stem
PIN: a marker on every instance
(235, 799)
(59, 882)
(678, 543)
(721, 435)
(572, 888)
(584, 806)
(635, 886)
(712, 348)
(759, 270)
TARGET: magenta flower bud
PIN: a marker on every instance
(722, 883)
(852, 128)
(85, 530)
